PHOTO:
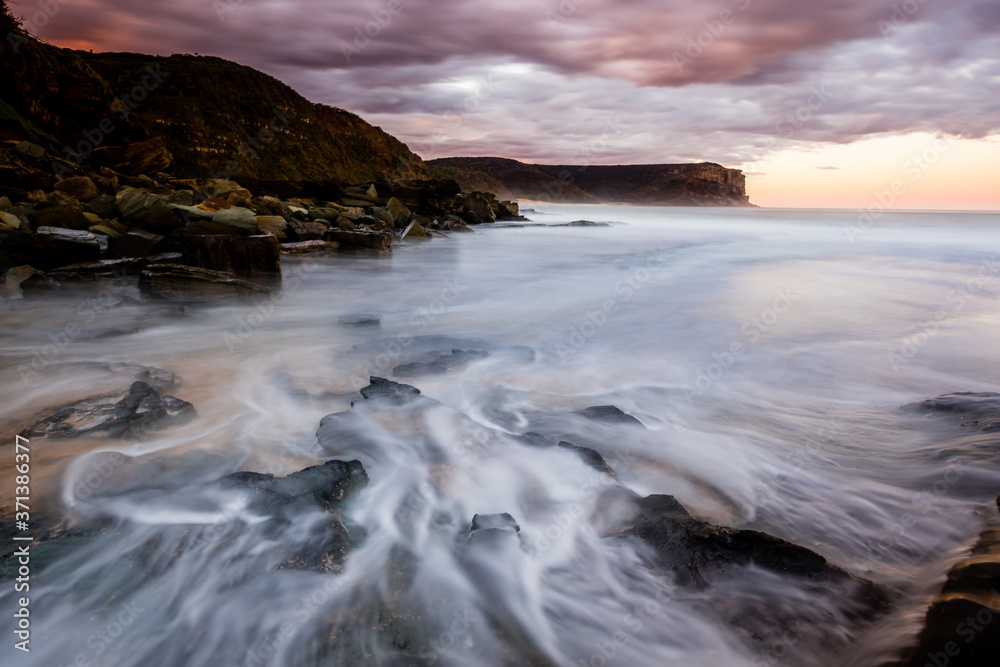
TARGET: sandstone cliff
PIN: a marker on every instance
(704, 184)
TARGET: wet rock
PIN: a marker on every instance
(306, 231)
(382, 389)
(63, 216)
(137, 243)
(105, 269)
(310, 248)
(508, 210)
(274, 225)
(414, 231)
(591, 457)
(609, 414)
(961, 628)
(360, 320)
(9, 221)
(456, 360)
(380, 242)
(242, 219)
(80, 188)
(185, 283)
(26, 279)
(131, 414)
(55, 246)
(256, 259)
(475, 208)
(980, 411)
(698, 553)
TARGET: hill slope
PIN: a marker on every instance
(215, 116)
(705, 184)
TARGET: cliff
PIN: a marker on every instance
(704, 184)
(214, 116)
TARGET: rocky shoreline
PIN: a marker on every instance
(187, 237)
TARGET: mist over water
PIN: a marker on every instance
(766, 353)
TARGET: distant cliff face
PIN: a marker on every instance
(218, 117)
(705, 184)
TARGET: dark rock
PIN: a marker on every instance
(27, 279)
(493, 522)
(187, 283)
(382, 389)
(137, 243)
(310, 247)
(976, 410)
(103, 206)
(64, 217)
(458, 359)
(275, 225)
(307, 231)
(105, 269)
(609, 414)
(80, 188)
(590, 456)
(253, 258)
(58, 247)
(475, 208)
(360, 320)
(135, 205)
(969, 601)
(414, 231)
(130, 414)
(139, 157)
(380, 242)
(241, 219)
(698, 552)
(345, 223)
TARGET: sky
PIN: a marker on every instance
(823, 103)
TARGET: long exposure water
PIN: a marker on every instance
(768, 355)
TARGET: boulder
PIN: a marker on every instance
(103, 206)
(28, 149)
(239, 218)
(81, 188)
(475, 208)
(508, 210)
(445, 363)
(383, 216)
(9, 221)
(306, 231)
(188, 283)
(381, 389)
(63, 217)
(274, 225)
(140, 157)
(970, 599)
(414, 231)
(55, 246)
(609, 414)
(27, 278)
(135, 205)
(131, 414)
(399, 212)
(218, 187)
(241, 198)
(252, 258)
(309, 247)
(270, 206)
(327, 212)
(380, 242)
(345, 223)
(137, 243)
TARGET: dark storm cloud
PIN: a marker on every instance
(716, 79)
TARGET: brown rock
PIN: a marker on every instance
(306, 231)
(79, 187)
(108, 231)
(240, 198)
(475, 208)
(415, 231)
(64, 217)
(26, 278)
(9, 221)
(275, 225)
(143, 157)
(380, 242)
(187, 283)
(55, 246)
(252, 258)
(137, 243)
(309, 247)
(344, 223)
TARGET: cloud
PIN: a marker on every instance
(726, 80)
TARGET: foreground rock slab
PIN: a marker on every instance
(184, 283)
